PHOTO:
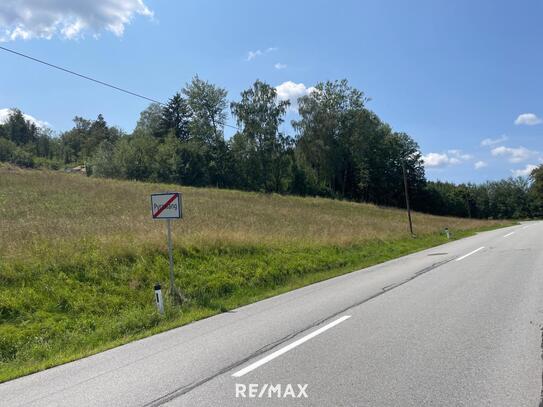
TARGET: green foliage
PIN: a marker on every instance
(24, 157)
(80, 143)
(260, 113)
(50, 164)
(103, 164)
(149, 121)
(536, 191)
(350, 151)
(208, 105)
(134, 157)
(340, 149)
(19, 130)
(7, 149)
(175, 118)
(512, 198)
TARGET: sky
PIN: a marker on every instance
(462, 78)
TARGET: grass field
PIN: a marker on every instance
(79, 257)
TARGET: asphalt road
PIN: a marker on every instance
(458, 325)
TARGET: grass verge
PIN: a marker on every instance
(79, 257)
(79, 306)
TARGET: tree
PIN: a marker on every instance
(350, 151)
(3, 131)
(82, 141)
(103, 163)
(537, 189)
(328, 118)
(18, 129)
(45, 145)
(208, 105)
(149, 122)
(135, 157)
(260, 113)
(98, 133)
(175, 118)
(385, 184)
(181, 162)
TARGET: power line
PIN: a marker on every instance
(92, 79)
(80, 75)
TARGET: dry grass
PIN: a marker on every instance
(43, 210)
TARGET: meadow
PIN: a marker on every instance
(79, 257)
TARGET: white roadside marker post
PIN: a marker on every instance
(168, 206)
(448, 233)
(158, 298)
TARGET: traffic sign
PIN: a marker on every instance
(166, 206)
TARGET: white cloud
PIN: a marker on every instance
(451, 157)
(524, 172)
(515, 155)
(27, 19)
(480, 164)
(459, 155)
(529, 119)
(251, 55)
(487, 142)
(435, 160)
(5, 113)
(280, 66)
(292, 91)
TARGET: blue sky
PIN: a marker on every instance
(450, 74)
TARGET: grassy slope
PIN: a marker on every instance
(79, 256)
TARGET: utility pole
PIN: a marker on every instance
(407, 197)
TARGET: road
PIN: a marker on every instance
(458, 325)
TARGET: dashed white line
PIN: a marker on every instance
(290, 346)
(470, 253)
(509, 234)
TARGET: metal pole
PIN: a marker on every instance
(407, 197)
(170, 253)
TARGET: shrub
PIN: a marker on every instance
(22, 158)
(7, 149)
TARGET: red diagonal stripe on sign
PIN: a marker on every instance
(169, 201)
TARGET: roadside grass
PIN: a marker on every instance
(79, 257)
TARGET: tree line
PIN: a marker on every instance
(339, 149)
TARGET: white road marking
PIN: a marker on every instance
(509, 234)
(470, 253)
(290, 346)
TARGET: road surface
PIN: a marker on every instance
(456, 325)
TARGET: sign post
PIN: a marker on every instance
(170, 255)
(168, 206)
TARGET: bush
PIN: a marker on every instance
(7, 149)
(47, 163)
(102, 163)
(22, 158)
